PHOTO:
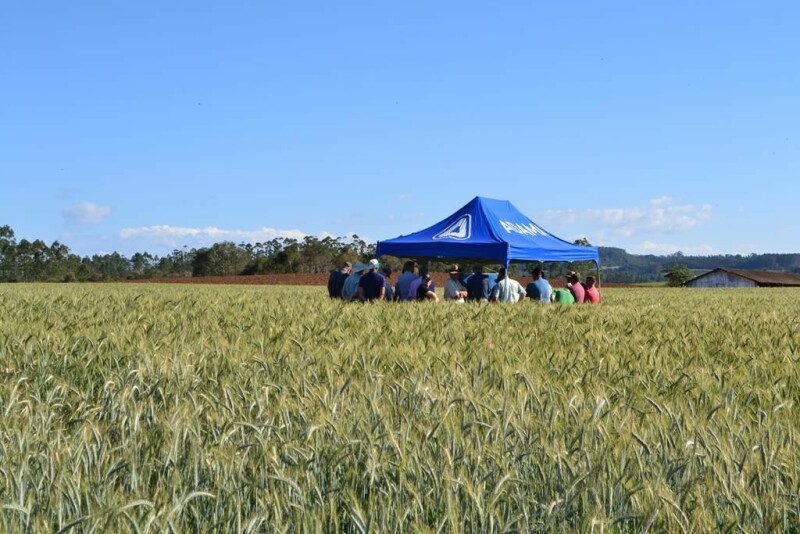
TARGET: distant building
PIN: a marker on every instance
(743, 278)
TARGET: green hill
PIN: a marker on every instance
(619, 266)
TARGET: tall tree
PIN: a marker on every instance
(678, 274)
(583, 267)
(222, 259)
(112, 266)
(8, 253)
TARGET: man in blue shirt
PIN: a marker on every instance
(350, 287)
(539, 290)
(405, 279)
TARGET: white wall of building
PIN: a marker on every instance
(721, 279)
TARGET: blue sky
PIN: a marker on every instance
(149, 126)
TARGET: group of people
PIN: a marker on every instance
(371, 282)
(574, 292)
(361, 281)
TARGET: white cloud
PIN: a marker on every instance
(665, 200)
(659, 216)
(166, 232)
(85, 214)
(162, 238)
(559, 216)
(661, 249)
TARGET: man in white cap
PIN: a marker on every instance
(372, 286)
(454, 290)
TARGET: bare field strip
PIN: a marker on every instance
(152, 407)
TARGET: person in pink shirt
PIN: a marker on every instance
(575, 287)
(592, 293)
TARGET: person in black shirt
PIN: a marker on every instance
(478, 285)
(424, 291)
(336, 280)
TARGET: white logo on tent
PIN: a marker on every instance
(459, 230)
(522, 229)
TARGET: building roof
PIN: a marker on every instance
(761, 278)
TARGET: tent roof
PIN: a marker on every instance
(486, 228)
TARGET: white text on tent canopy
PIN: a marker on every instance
(523, 229)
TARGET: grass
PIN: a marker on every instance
(142, 408)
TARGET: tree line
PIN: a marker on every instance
(35, 261)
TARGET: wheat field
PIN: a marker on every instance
(156, 408)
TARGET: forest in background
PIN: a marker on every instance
(36, 261)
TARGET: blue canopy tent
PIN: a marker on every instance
(487, 229)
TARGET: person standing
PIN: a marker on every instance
(454, 290)
(507, 289)
(478, 289)
(372, 286)
(539, 289)
(336, 280)
(404, 280)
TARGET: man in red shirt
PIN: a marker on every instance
(575, 287)
(592, 293)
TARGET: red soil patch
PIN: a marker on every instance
(299, 279)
